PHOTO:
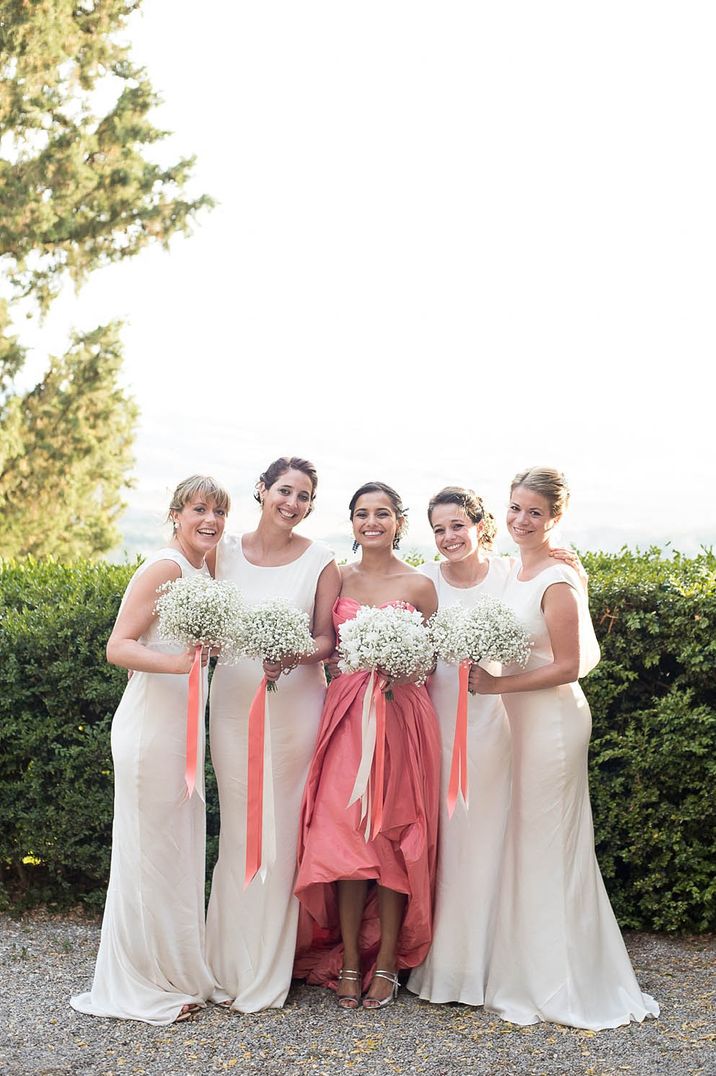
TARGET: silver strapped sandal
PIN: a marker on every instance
(375, 1003)
(349, 1001)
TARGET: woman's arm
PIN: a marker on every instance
(426, 600)
(561, 613)
(135, 617)
(571, 559)
(327, 591)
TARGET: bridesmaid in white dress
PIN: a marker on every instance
(251, 933)
(471, 842)
(558, 953)
(151, 963)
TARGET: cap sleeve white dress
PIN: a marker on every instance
(470, 843)
(251, 933)
(151, 953)
(558, 952)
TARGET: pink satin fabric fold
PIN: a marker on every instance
(401, 851)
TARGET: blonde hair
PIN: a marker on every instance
(199, 485)
(549, 483)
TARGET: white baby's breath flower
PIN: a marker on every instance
(199, 610)
(392, 637)
(274, 630)
(489, 630)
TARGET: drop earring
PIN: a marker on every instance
(356, 547)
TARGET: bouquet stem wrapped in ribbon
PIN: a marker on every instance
(393, 643)
(463, 637)
(196, 612)
(272, 631)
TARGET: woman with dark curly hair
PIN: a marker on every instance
(251, 930)
(370, 897)
(471, 839)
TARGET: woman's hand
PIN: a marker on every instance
(389, 682)
(569, 557)
(183, 662)
(481, 682)
(331, 664)
(273, 669)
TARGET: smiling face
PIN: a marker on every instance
(199, 526)
(375, 521)
(529, 518)
(288, 500)
(456, 536)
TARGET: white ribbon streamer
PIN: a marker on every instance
(361, 788)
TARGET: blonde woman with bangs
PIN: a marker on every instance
(150, 964)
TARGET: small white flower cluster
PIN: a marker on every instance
(392, 637)
(488, 630)
(274, 630)
(199, 610)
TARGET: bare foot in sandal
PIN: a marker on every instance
(186, 1012)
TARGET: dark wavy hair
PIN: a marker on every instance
(473, 507)
(279, 467)
(400, 510)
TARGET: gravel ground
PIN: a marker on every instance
(43, 960)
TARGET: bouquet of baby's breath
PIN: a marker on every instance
(199, 611)
(488, 630)
(392, 638)
(274, 630)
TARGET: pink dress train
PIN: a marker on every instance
(332, 845)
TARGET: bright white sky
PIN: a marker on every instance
(454, 239)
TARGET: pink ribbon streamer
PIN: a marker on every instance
(255, 784)
(194, 715)
(458, 785)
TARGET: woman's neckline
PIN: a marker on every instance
(270, 567)
(182, 554)
(472, 586)
(532, 577)
(367, 605)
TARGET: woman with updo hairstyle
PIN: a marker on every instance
(251, 931)
(471, 840)
(151, 964)
(558, 954)
(370, 900)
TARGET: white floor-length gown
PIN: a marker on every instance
(471, 842)
(558, 953)
(251, 933)
(151, 955)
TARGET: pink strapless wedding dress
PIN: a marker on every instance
(332, 845)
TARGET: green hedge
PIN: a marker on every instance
(653, 753)
(653, 758)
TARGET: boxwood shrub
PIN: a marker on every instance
(652, 761)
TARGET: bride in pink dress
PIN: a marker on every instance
(366, 905)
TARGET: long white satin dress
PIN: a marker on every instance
(251, 933)
(470, 843)
(151, 955)
(558, 953)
